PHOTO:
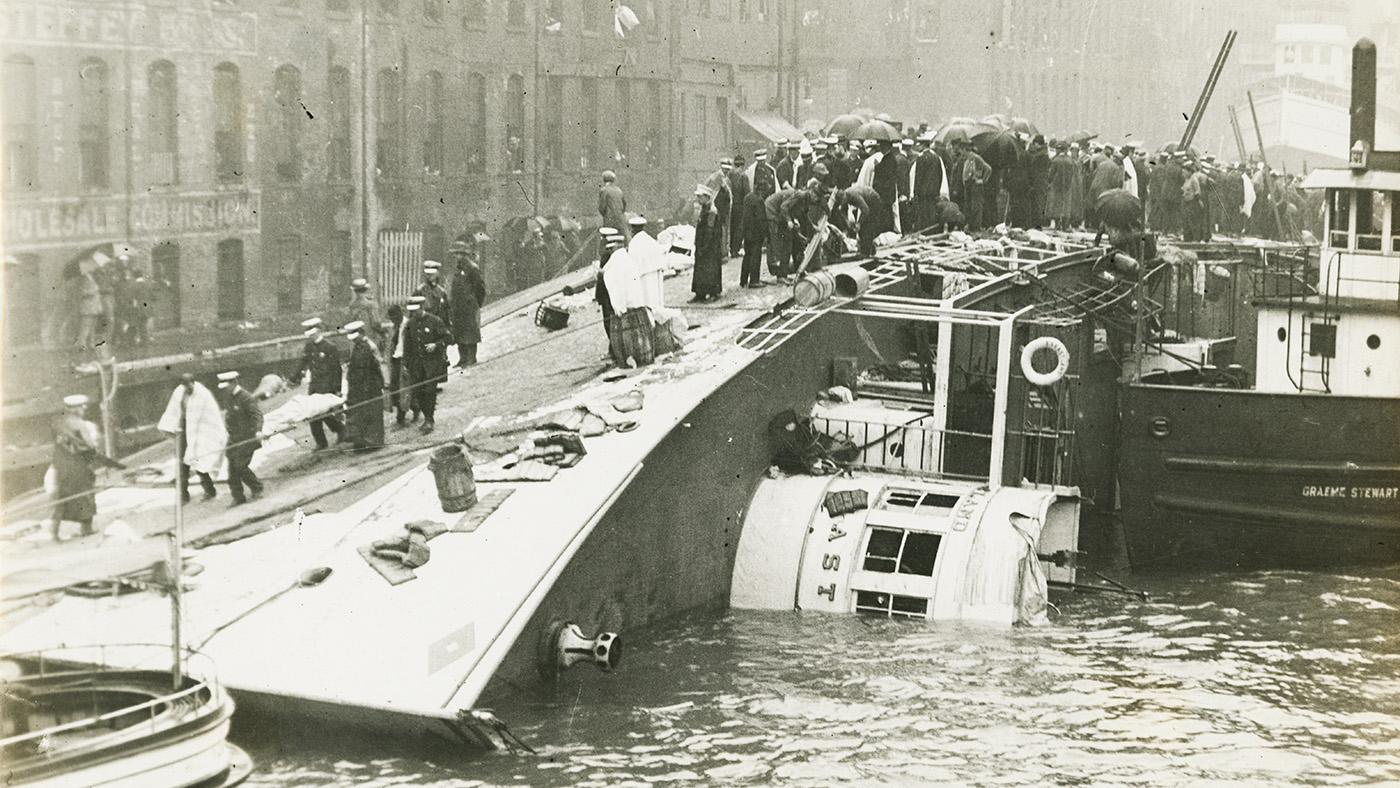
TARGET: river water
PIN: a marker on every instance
(1268, 678)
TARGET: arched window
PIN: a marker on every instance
(228, 123)
(20, 120)
(286, 261)
(92, 123)
(229, 279)
(339, 159)
(554, 122)
(656, 112)
(588, 125)
(387, 106)
(432, 123)
(286, 140)
(165, 285)
(515, 122)
(162, 119)
(476, 123)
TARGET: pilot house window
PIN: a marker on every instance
(1339, 219)
(895, 551)
(1370, 220)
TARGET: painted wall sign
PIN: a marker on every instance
(1343, 491)
(75, 220)
(169, 28)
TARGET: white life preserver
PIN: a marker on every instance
(1061, 361)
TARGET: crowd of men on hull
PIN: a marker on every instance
(772, 205)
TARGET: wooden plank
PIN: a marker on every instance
(486, 505)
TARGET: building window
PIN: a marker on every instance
(387, 127)
(432, 10)
(338, 159)
(591, 14)
(656, 118)
(515, 13)
(588, 126)
(92, 123)
(286, 142)
(702, 7)
(474, 13)
(342, 271)
(722, 118)
(624, 122)
(162, 118)
(286, 260)
(229, 279)
(20, 121)
(432, 124)
(228, 124)
(651, 18)
(338, 6)
(164, 287)
(24, 320)
(554, 123)
(389, 7)
(476, 123)
(515, 122)
(553, 16)
(434, 243)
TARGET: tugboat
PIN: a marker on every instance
(1293, 460)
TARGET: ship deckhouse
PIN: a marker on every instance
(1341, 333)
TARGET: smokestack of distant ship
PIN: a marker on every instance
(1363, 94)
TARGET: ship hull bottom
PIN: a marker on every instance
(1225, 478)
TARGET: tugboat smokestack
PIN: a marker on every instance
(1363, 93)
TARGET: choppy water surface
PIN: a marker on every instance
(1266, 678)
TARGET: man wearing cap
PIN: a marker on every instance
(723, 201)
(244, 421)
(468, 294)
(364, 391)
(738, 190)
(802, 167)
(425, 354)
(904, 161)
(783, 165)
(600, 286)
(363, 309)
(842, 164)
(780, 246)
(975, 174)
(322, 360)
(76, 459)
(763, 179)
(434, 296)
(1193, 201)
(192, 415)
(706, 281)
(612, 205)
(401, 396)
(1066, 188)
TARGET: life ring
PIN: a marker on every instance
(1061, 361)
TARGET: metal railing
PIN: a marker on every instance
(79, 661)
(912, 448)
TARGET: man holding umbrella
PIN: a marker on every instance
(975, 176)
(925, 185)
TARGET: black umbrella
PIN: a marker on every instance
(1119, 208)
(999, 147)
(875, 130)
(1024, 126)
(955, 131)
(1081, 137)
(843, 125)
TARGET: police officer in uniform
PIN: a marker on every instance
(435, 299)
(425, 351)
(322, 360)
(244, 421)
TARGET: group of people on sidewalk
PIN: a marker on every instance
(394, 361)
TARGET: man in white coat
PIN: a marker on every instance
(646, 255)
(194, 418)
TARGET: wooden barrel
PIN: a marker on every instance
(851, 280)
(813, 289)
(632, 338)
(456, 487)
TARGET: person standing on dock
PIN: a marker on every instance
(363, 309)
(192, 416)
(321, 359)
(468, 294)
(244, 421)
(435, 299)
(399, 377)
(76, 459)
(612, 205)
(753, 229)
(364, 391)
(739, 188)
(706, 280)
(425, 351)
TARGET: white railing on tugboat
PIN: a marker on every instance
(904, 447)
(67, 656)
